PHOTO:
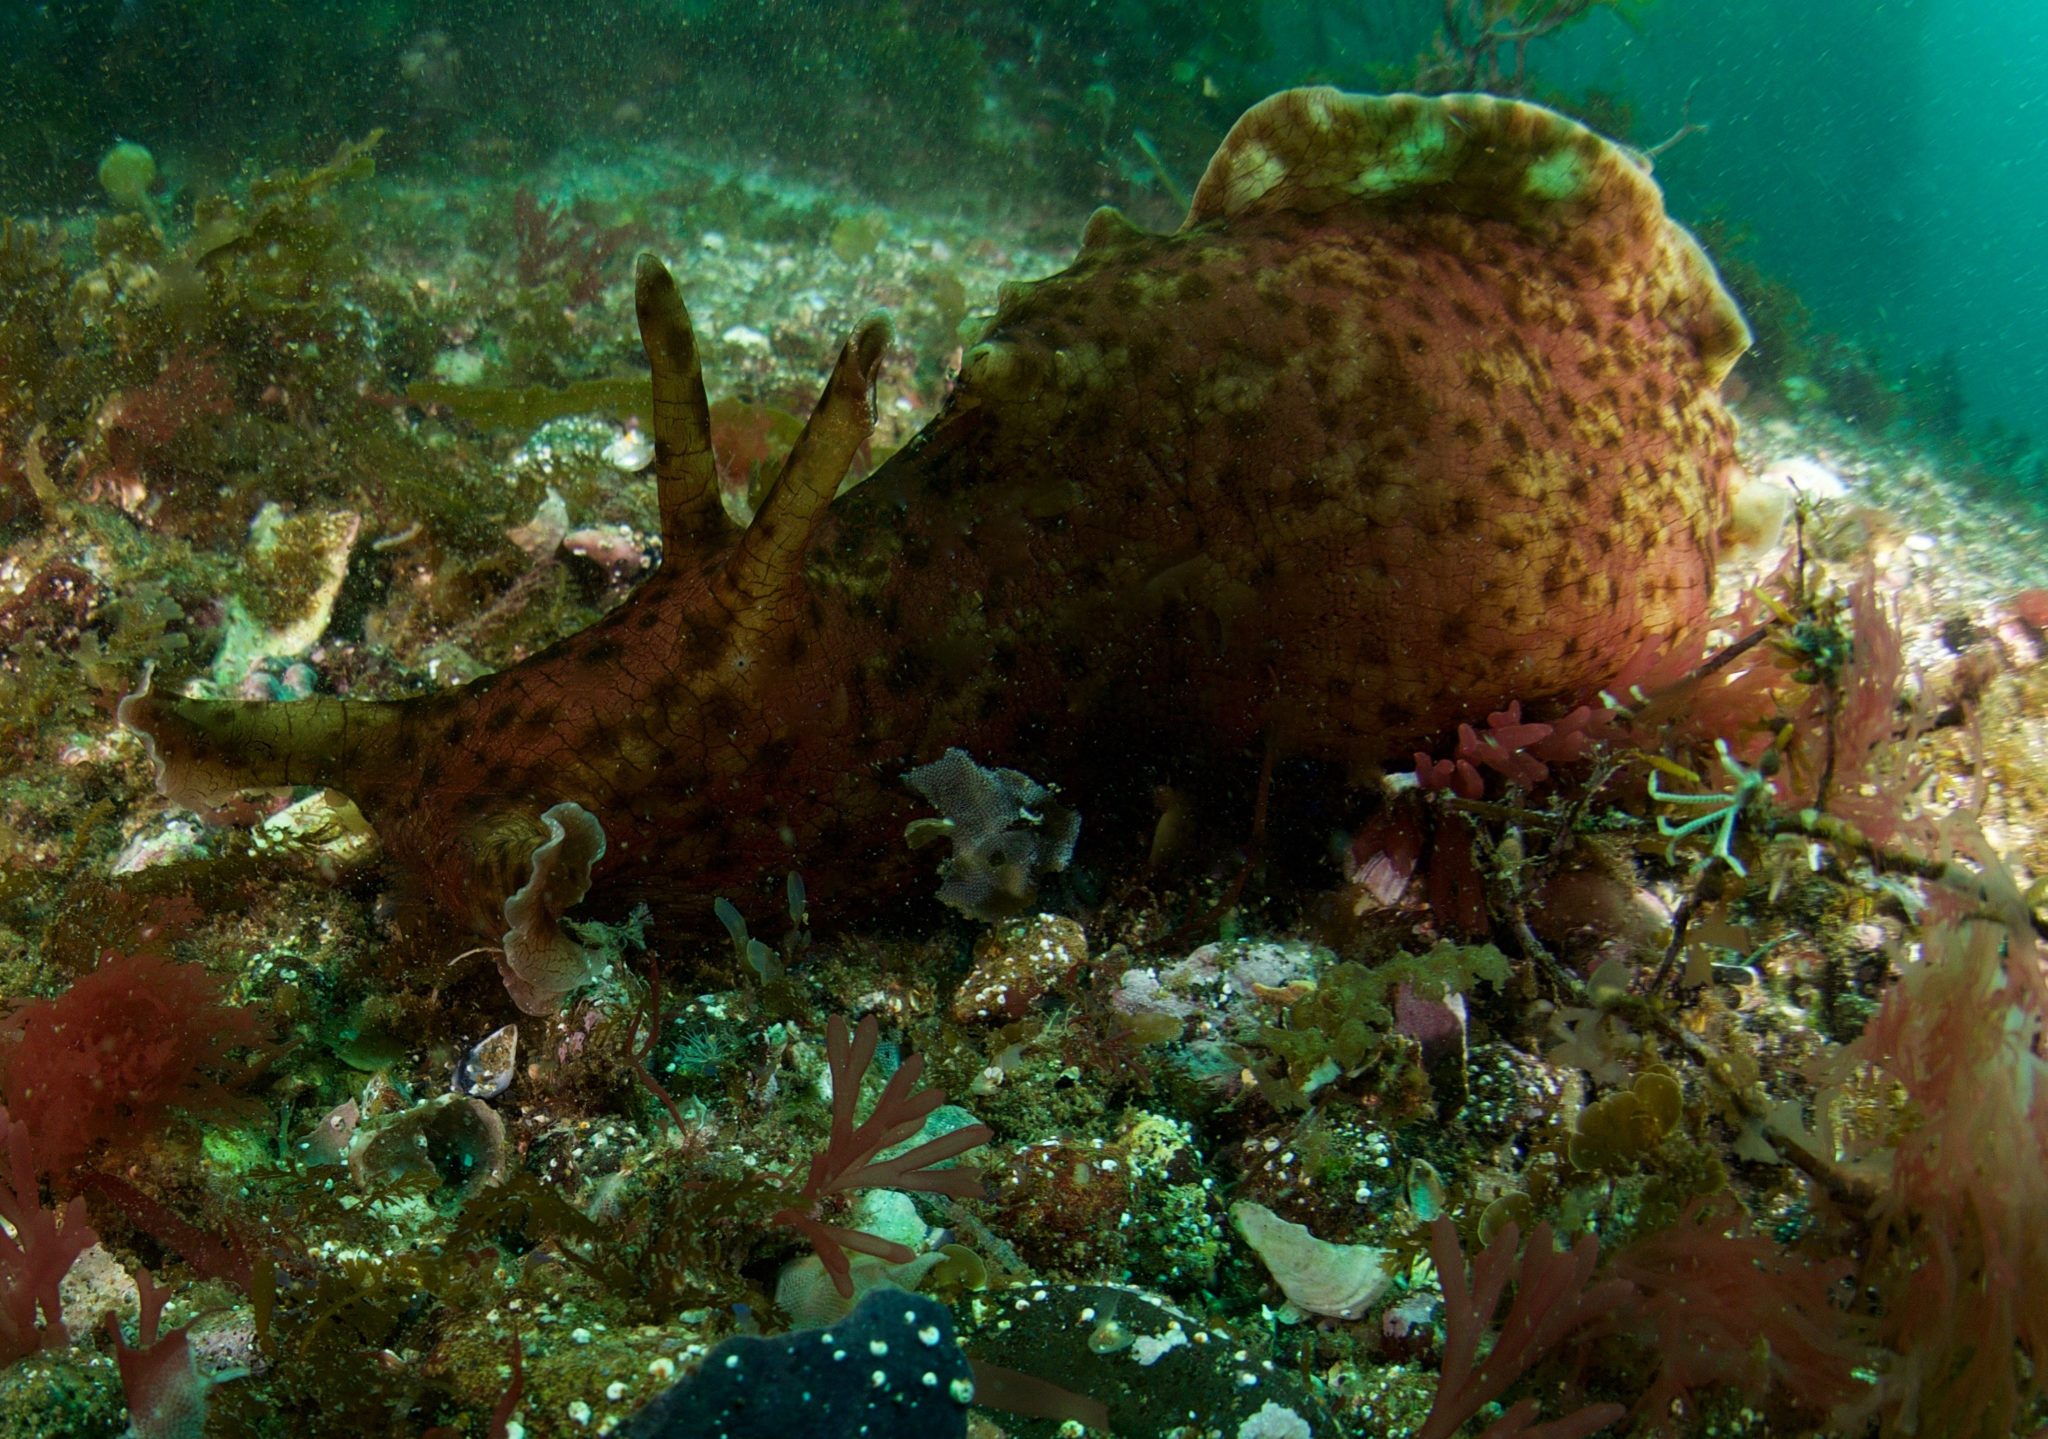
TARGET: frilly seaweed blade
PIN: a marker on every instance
(1416, 413)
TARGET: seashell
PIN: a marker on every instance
(486, 1071)
(807, 1294)
(1425, 1190)
(630, 451)
(1341, 1281)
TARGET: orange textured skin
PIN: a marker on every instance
(1417, 414)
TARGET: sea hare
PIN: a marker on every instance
(1417, 412)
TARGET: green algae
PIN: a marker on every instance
(1347, 1023)
(528, 407)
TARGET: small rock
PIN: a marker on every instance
(177, 838)
(459, 367)
(1016, 964)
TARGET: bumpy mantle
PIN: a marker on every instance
(1417, 412)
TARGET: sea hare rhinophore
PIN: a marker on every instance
(1416, 413)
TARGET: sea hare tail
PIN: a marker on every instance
(204, 751)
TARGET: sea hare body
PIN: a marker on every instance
(1417, 413)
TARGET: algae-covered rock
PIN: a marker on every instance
(70, 1393)
(292, 573)
(1152, 1365)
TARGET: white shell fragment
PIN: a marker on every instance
(1340, 1281)
(486, 1071)
(1274, 1421)
(630, 451)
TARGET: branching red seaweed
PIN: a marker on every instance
(848, 1161)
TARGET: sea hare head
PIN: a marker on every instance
(1484, 159)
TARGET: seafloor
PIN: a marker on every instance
(273, 1100)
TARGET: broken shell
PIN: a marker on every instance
(326, 825)
(294, 566)
(630, 451)
(452, 1139)
(486, 1071)
(1425, 1190)
(1341, 1281)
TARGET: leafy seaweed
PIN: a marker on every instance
(678, 1248)
(1347, 1024)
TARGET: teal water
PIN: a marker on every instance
(1889, 160)
(1886, 161)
